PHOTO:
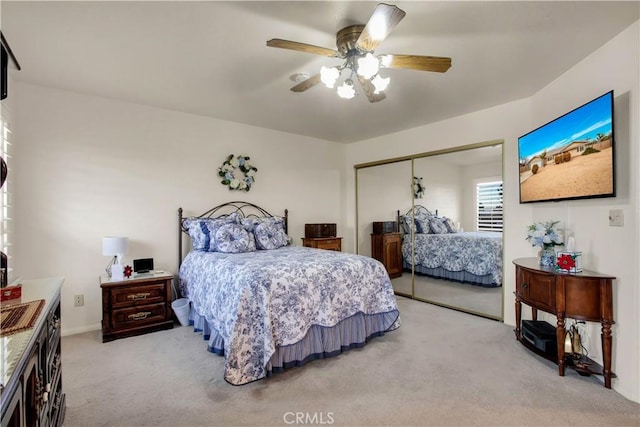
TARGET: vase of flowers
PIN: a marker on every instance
(545, 235)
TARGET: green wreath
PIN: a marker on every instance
(231, 166)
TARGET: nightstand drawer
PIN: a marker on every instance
(328, 243)
(331, 244)
(138, 295)
(133, 317)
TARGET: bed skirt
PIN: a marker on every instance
(486, 281)
(320, 342)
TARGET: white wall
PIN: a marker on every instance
(607, 249)
(443, 186)
(88, 167)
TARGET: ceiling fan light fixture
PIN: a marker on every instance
(329, 76)
(368, 66)
(346, 90)
(385, 60)
(380, 83)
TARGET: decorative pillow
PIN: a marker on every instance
(451, 227)
(408, 225)
(437, 226)
(233, 238)
(422, 225)
(203, 230)
(270, 234)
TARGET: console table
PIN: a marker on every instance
(582, 296)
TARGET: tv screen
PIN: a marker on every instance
(571, 157)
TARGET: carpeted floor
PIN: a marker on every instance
(441, 368)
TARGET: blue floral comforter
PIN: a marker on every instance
(260, 300)
(478, 253)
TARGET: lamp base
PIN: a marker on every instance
(117, 272)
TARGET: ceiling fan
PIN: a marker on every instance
(356, 44)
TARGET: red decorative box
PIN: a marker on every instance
(10, 292)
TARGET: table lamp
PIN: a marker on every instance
(115, 247)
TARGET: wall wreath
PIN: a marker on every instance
(231, 170)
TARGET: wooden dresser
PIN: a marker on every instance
(582, 296)
(329, 243)
(387, 248)
(136, 306)
(31, 374)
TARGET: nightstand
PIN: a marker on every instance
(387, 248)
(329, 243)
(136, 306)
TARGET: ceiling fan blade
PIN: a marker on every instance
(384, 19)
(303, 47)
(306, 84)
(368, 88)
(415, 62)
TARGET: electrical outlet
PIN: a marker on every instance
(78, 300)
(616, 218)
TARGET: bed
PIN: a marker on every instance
(266, 305)
(442, 252)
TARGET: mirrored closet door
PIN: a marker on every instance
(382, 190)
(458, 243)
(450, 235)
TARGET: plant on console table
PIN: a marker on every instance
(545, 235)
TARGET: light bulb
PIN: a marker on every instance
(368, 66)
(329, 75)
(380, 83)
(346, 90)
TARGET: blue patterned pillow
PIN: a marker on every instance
(422, 225)
(233, 238)
(408, 225)
(437, 226)
(451, 227)
(270, 234)
(203, 230)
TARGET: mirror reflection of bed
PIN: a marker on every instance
(450, 181)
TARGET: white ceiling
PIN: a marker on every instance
(210, 58)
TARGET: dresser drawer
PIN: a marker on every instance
(138, 295)
(133, 317)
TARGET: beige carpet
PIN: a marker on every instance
(442, 367)
(471, 298)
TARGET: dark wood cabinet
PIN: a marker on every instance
(328, 243)
(387, 248)
(136, 306)
(582, 296)
(31, 392)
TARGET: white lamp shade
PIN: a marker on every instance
(115, 246)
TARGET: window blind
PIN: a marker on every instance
(5, 192)
(489, 206)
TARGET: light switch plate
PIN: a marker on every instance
(616, 218)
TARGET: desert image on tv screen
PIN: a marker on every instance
(570, 157)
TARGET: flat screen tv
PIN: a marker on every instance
(571, 157)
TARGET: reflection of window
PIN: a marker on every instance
(5, 196)
(489, 206)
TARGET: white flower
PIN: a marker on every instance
(242, 185)
(234, 183)
(234, 162)
(252, 172)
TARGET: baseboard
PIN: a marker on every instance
(81, 330)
